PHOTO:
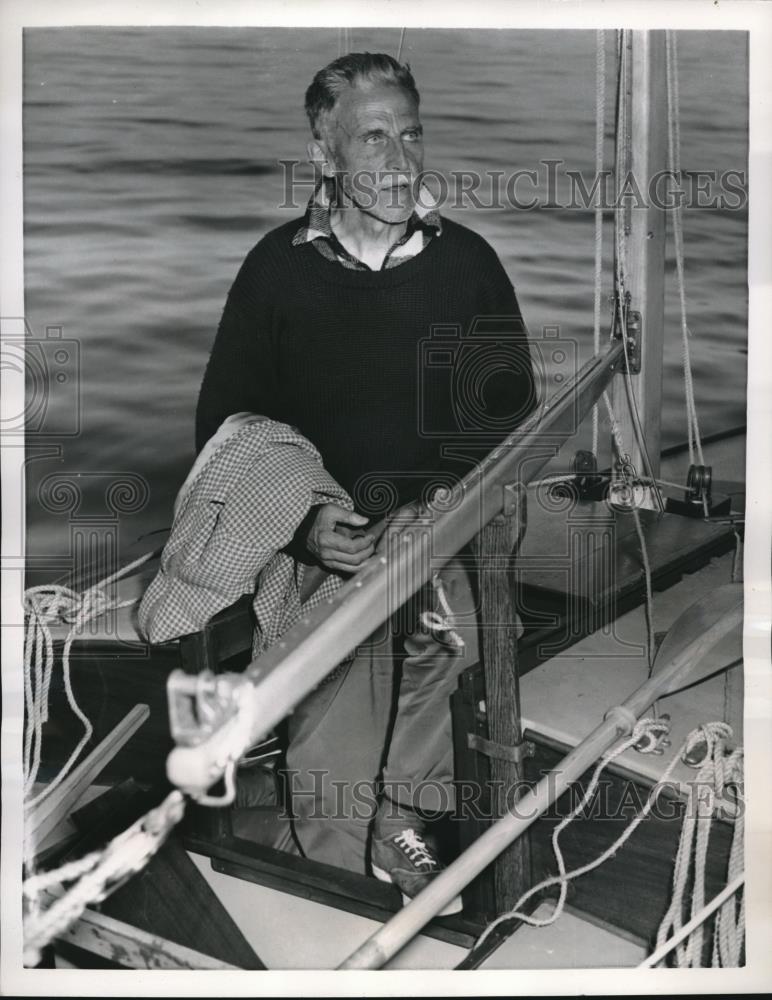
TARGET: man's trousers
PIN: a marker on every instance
(379, 732)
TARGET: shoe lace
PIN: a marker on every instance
(415, 848)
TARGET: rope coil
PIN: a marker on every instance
(718, 770)
(44, 607)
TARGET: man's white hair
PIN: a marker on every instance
(347, 71)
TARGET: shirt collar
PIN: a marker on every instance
(317, 220)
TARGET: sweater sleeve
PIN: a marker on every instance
(510, 391)
(240, 374)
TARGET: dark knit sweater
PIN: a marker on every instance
(384, 371)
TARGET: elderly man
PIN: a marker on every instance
(330, 326)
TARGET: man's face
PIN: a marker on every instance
(374, 144)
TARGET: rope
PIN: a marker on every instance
(656, 957)
(600, 126)
(45, 606)
(729, 928)
(674, 165)
(97, 874)
(640, 731)
(401, 43)
(717, 771)
(444, 621)
(620, 260)
(563, 877)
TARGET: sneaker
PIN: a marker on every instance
(408, 862)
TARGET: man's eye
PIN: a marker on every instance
(374, 138)
(413, 136)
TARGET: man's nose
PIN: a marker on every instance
(397, 158)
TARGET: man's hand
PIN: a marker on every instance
(337, 540)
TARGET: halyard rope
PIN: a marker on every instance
(674, 166)
(401, 43)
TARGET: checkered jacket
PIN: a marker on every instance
(231, 521)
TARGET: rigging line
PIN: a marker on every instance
(642, 728)
(563, 877)
(77, 577)
(600, 128)
(674, 165)
(125, 570)
(401, 43)
(620, 168)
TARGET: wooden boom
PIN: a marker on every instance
(241, 708)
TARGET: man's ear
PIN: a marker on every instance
(319, 156)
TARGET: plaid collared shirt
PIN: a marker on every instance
(423, 225)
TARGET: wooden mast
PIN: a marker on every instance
(644, 147)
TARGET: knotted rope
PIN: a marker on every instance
(98, 874)
(45, 606)
(440, 624)
(718, 770)
(640, 731)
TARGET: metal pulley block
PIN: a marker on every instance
(628, 325)
(587, 480)
(699, 499)
(698, 484)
